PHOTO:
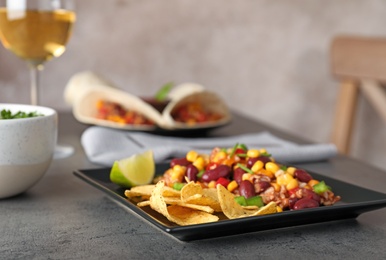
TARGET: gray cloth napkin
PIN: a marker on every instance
(104, 146)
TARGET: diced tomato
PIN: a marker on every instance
(222, 181)
(211, 166)
(240, 151)
(293, 191)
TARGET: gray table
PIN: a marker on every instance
(62, 217)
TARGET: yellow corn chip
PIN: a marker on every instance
(143, 191)
(186, 216)
(232, 209)
(143, 203)
(181, 215)
(193, 193)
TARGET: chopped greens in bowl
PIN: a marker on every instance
(7, 114)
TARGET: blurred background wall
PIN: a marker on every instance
(268, 59)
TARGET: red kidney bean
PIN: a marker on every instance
(191, 172)
(220, 171)
(291, 202)
(238, 175)
(305, 203)
(247, 189)
(264, 159)
(309, 194)
(261, 186)
(179, 161)
(251, 161)
(302, 175)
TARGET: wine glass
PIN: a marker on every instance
(37, 31)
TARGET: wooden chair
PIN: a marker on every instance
(359, 63)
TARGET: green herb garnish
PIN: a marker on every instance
(245, 168)
(162, 94)
(7, 114)
(233, 150)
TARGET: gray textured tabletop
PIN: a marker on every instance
(63, 217)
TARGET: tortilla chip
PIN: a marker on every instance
(250, 207)
(205, 201)
(170, 192)
(190, 189)
(143, 203)
(143, 192)
(194, 194)
(181, 215)
(232, 209)
(186, 216)
(267, 209)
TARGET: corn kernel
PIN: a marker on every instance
(199, 163)
(232, 186)
(291, 170)
(258, 165)
(312, 182)
(262, 150)
(275, 186)
(279, 209)
(179, 170)
(292, 184)
(212, 184)
(284, 179)
(265, 172)
(278, 173)
(272, 167)
(246, 176)
(253, 153)
(206, 158)
(229, 161)
(221, 155)
(191, 156)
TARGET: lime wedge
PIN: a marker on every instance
(138, 169)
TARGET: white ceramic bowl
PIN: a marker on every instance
(26, 148)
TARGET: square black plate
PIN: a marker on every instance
(355, 201)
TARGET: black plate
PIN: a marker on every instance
(355, 201)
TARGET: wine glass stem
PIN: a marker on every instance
(34, 74)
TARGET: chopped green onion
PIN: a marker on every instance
(233, 150)
(266, 154)
(242, 146)
(245, 168)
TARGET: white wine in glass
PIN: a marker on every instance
(36, 31)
